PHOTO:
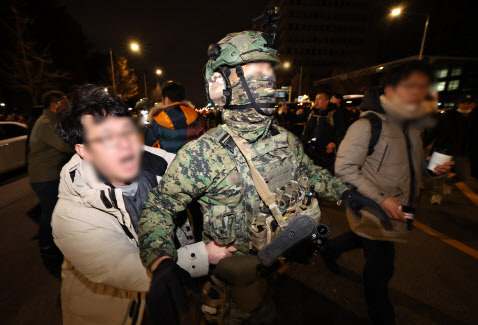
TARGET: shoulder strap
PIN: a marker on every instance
(222, 137)
(259, 182)
(376, 130)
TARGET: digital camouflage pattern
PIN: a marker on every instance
(241, 48)
(205, 170)
(247, 123)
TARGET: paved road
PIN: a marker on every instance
(434, 283)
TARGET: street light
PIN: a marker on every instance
(397, 11)
(159, 72)
(286, 65)
(134, 47)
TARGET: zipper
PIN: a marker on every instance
(411, 199)
(383, 157)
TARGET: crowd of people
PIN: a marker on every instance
(164, 227)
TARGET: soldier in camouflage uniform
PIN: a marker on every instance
(213, 170)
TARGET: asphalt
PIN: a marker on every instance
(434, 282)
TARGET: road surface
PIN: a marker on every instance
(435, 281)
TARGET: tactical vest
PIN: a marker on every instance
(278, 166)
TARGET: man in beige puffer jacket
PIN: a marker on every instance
(389, 174)
(102, 189)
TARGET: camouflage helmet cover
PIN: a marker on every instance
(241, 48)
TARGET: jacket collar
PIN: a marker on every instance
(79, 182)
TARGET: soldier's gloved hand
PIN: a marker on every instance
(173, 296)
(357, 201)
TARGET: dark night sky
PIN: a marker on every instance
(174, 34)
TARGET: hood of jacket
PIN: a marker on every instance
(178, 115)
(79, 182)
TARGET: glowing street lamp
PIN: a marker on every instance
(134, 47)
(396, 12)
(159, 72)
(286, 65)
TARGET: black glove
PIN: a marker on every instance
(173, 296)
(357, 201)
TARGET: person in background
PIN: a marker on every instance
(387, 171)
(456, 134)
(354, 112)
(102, 190)
(299, 120)
(342, 117)
(319, 132)
(176, 124)
(47, 155)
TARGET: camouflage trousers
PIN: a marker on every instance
(236, 294)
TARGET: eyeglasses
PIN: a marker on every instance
(112, 141)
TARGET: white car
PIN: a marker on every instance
(13, 141)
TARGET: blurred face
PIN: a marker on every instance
(335, 100)
(258, 68)
(466, 106)
(55, 104)
(321, 101)
(113, 146)
(411, 91)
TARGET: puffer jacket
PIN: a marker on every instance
(385, 173)
(103, 279)
(173, 127)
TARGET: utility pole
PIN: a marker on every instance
(420, 56)
(145, 87)
(112, 71)
(300, 81)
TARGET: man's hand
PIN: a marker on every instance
(217, 252)
(330, 147)
(173, 295)
(443, 169)
(356, 201)
(391, 206)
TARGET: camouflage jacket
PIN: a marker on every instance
(204, 170)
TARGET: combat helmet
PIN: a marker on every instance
(234, 50)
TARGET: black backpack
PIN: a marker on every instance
(376, 129)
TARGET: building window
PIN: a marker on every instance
(453, 84)
(441, 86)
(456, 72)
(442, 73)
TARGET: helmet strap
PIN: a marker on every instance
(227, 92)
(240, 74)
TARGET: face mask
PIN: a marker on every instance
(262, 88)
(247, 122)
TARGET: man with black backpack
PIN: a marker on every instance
(382, 155)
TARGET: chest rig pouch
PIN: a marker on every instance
(284, 195)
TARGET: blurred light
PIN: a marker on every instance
(134, 47)
(381, 68)
(106, 89)
(286, 65)
(396, 12)
(144, 116)
(349, 102)
(158, 71)
(130, 108)
(2, 104)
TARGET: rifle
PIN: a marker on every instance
(300, 230)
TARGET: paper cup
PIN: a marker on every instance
(438, 159)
